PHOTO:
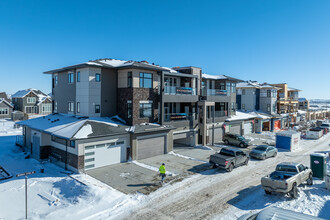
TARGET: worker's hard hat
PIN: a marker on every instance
(163, 164)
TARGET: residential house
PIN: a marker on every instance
(32, 101)
(5, 108)
(262, 100)
(3, 95)
(303, 104)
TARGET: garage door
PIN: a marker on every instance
(218, 134)
(104, 154)
(150, 147)
(248, 128)
(235, 129)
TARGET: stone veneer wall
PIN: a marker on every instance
(136, 95)
(72, 160)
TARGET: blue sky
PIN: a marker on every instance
(270, 41)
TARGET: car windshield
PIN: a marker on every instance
(261, 148)
(325, 125)
(241, 138)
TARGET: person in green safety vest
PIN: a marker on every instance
(162, 171)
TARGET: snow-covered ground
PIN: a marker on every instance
(208, 195)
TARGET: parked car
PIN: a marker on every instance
(277, 213)
(263, 151)
(286, 178)
(325, 125)
(229, 158)
(235, 139)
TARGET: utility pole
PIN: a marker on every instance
(25, 174)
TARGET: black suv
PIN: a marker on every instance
(235, 139)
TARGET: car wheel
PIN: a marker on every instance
(241, 145)
(230, 168)
(294, 191)
(275, 154)
(226, 142)
(263, 157)
(268, 192)
(246, 161)
(214, 166)
(310, 180)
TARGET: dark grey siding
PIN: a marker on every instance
(4, 105)
(64, 92)
(109, 92)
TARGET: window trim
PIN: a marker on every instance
(70, 77)
(70, 104)
(140, 109)
(4, 110)
(29, 98)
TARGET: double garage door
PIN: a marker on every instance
(150, 146)
(104, 154)
(235, 129)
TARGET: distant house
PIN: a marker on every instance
(303, 104)
(32, 101)
(3, 95)
(5, 108)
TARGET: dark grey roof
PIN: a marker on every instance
(101, 129)
(143, 128)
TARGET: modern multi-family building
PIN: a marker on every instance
(287, 98)
(32, 101)
(157, 108)
(303, 104)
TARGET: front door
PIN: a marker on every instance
(36, 147)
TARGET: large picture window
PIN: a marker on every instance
(145, 80)
(145, 110)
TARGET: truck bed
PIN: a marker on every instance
(281, 176)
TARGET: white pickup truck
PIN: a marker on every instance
(286, 178)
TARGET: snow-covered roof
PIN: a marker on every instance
(302, 99)
(302, 112)
(255, 84)
(240, 116)
(207, 76)
(113, 63)
(41, 96)
(5, 101)
(73, 127)
(293, 89)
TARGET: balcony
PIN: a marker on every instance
(219, 116)
(180, 119)
(214, 92)
(215, 95)
(180, 94)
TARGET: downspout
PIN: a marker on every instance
(66, 154)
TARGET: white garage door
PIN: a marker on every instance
(104, 154)
(248, 128)
(150, 147)
(235, 129)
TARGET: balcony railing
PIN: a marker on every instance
(179, 117)
(218, 114)
(173, 90)
(214, 92)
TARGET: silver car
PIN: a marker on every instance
(263, 151)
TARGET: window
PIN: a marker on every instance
(222, 86)
(269, 93)
(243, 106)
(129, 109)
(274, 108)
(274, 93)
(56, 80)
(233, 106)
(55, 107)
(89, 153)
(78, 76)
(78, 107)
(120, 142)
(89, 147)
(268, 107)
(145, 80)
(71, 106)
(70, 78)
(97, 77)
(97, 109)
(301, 167)
(46, 108)
(243, 91)
(228, 87)
(4, 111)
(129, 80)
(233, 87)
(31, 99)
(145, 110)
(72, 144)
(30, 109)
(89, 160)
